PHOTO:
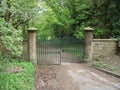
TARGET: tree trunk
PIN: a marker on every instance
(8, 13)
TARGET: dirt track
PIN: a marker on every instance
(73, 76)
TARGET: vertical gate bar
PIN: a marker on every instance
(56, 55)
(51, 53)
(43, 59)
(43, 47)
(53, 50)
(60, 55)
(78, 55)
(76, 51)
(40, 51)
(46, 53)
(47, 49)
(44, 50)
(56, 50)
(60, 50)
(37, 52)
(39, 42)
(75, 55)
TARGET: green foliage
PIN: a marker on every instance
(10, 38)
(23, 80)
(101, 33)
(63, 18)
(14, 18)
(44, 21)
(19, 13)
(79, 31)
(5, 60)
(104, 66)
(73, 16)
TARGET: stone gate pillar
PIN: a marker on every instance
(32, 45)
(88, 33)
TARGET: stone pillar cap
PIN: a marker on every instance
(88, 29)
(32, 29)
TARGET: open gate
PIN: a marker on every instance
(55, 51)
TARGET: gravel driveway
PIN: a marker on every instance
(73, 76)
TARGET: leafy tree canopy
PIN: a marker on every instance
(13, 15)
(71, 16)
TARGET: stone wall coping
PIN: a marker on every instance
(105, 40)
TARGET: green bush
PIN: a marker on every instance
(10, 39)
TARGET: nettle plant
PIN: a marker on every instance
(10, 38)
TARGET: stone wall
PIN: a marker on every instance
(25, 51)
(104, 48)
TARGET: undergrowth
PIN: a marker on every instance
(104, 66)
(15, 79)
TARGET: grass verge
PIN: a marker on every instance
(17, 76)
(104, 66)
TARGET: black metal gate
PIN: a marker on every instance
(55, 51)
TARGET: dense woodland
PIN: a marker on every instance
(57, 18)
